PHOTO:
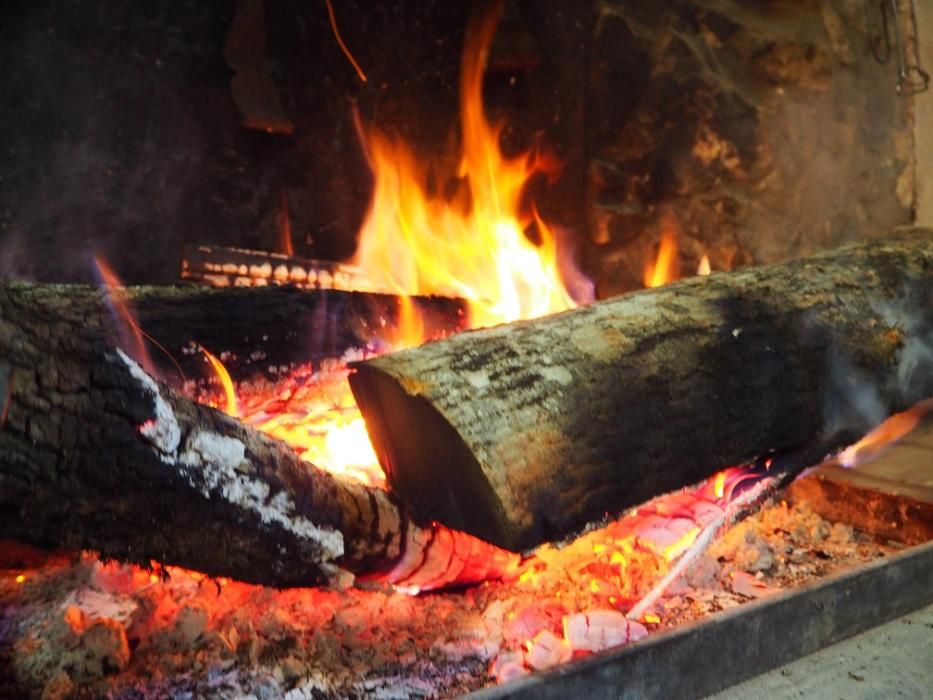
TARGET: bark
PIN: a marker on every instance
(95, 454)
(527, 432)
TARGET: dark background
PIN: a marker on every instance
(766, 129)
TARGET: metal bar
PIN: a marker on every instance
(729, 647)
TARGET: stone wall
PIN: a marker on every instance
(765, 130)
(923, 127)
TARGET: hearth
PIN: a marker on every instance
(539, 419)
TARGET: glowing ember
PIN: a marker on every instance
(315, 414)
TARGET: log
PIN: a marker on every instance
(259, 330)
(96, 454)
(527, 432)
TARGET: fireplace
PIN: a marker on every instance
(410, 427)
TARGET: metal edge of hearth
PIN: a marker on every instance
(729, 647)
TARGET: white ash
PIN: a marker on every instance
(101, 604)
(163, 431)
(220, 465)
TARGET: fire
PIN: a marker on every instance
(471, 245)
(475, 244)
(703, 268)
(719, 484)
(232, 408)
(286, 244)
(884, 436)
(665, 268)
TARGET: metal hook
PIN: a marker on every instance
(911, 77)
(879, 44)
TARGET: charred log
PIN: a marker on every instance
(96, 454)
(527, 432)
(261, 328)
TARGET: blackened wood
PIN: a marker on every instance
(259, 330)
(95, 454)
(526, 432)
(748, 640)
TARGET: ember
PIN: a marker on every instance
(374, 587)
(184, 631)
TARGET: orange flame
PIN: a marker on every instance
(343, 47)
(884, 436)
(285, 228)
(703, 268)
(666, 267)
(122, 308)
(124, 311)
(472, 245)
(231, 409)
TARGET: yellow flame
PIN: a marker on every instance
(231, 409)
(349, 444)
(471, 244)
(719, 484)
(466, 238)
(665, 268)
(703, 268)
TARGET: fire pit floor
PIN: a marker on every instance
(74, 626)
(781, 584)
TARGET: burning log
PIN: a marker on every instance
(220, 266)
(95, 454)
(259, 328)
(526, 432)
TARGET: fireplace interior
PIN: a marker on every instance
(380, 349)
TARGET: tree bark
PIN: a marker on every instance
(527, 432)
(95, 454)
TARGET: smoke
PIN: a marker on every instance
(856, 401)
(915, 358)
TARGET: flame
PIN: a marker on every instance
(285, 228)
(719, 484)
(231, 409)
(131, 334)
(666, 267)
(703, 268)
(471, 244)
(884, 436)
(476, 236)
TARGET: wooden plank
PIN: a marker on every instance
(891, 497)
(707, 656)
